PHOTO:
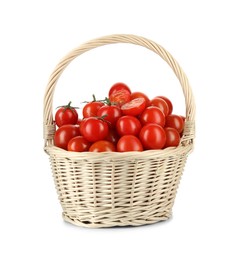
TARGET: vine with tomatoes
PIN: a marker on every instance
(123, 121)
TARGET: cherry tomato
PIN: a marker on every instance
(140, 95)
(81, 124)
(94, 129)
(110, 113)
(117, 87)
(134, 107)
(169, 103)
(172, 137)
(64, 134)
(176, 122)
(102, 146)
(66, 115)
(129, 143)
(128, 125)
(152, 136)
(161, 103)
(152, 115)
(120, 97)
(91, 109)
(78, 144)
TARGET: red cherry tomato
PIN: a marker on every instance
(128, 125)
(78, 144)
(134, 107)
(102, 146)
(110, 113)
(66, 115)
(117, 87)
(120, 97)
(172, 137)
(169, 103)
(91, 109)
(94, 129)
(81, 125)
(129, 143)
(176, 122)
(64, 134)
(152, 115)
(152, 136)
(161, 103)
(140, 95)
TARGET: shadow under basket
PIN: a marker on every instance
(111, 188)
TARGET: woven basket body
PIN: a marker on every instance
(118, 189)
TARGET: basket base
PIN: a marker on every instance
(121, 223)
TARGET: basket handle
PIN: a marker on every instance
(48, 123)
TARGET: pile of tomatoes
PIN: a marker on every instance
(124, 121)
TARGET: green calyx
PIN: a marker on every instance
(106, 101)
(68, 106)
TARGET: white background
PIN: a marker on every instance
(35, 35)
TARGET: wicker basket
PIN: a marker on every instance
(118, 189)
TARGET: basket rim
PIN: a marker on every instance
(52, 150)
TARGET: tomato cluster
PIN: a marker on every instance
(124, 121)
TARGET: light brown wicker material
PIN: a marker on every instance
(118, 189)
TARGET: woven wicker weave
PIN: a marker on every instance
(118, 189)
